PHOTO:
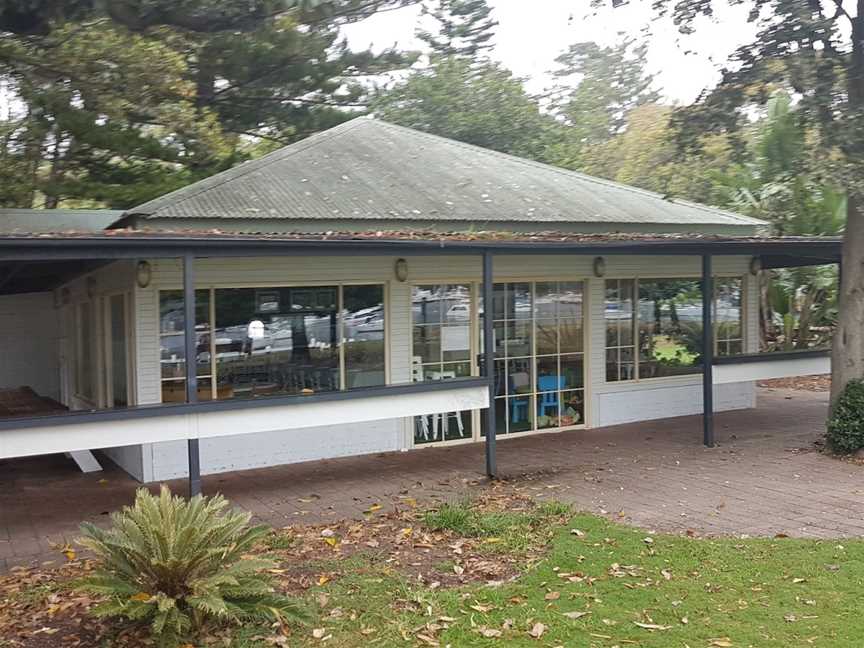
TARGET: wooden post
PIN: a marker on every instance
(489, 364)
(191, 347)
(707, 352)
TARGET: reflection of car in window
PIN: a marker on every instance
(459, 312)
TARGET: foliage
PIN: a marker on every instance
(846, 423)
(514, 530)
(609, 83)
(177, 564)
(481, 104)
(119, 102)
(601, 582)
(465, 28)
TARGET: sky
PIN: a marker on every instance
(531, 34)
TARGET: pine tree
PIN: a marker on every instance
(464, 28)
(113, 109)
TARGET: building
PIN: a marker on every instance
(339, 286)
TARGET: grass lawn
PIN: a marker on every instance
(685, 592)
(563, 581)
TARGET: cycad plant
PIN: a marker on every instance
(178, 565)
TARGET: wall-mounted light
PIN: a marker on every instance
(599, 267)
(143, 274)
(400, 269)
(755, 265)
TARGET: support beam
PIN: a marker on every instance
(489, 364)
(707, 352)
(191, 347)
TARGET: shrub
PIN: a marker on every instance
(178, 564)
(846, 423)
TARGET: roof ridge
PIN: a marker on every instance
(567, 172)
(251, 166)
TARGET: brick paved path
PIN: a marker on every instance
(763, 479)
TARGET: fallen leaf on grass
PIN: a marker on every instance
(537, 630)
(651, 626)
(552, 596)
(489, 633)
(576, 615)
(722, 642)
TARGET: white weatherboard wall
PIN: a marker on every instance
(608, 403)
(29, 343)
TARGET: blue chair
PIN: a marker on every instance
(519, 409)
(548, 400)
(518, 406)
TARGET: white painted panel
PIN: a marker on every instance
(29, 343)
(768, 369)
(83, 436)
(633, 405)
(277, 448)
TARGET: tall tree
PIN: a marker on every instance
(464, 28)
(815, 48)
(482, 104)
(118, 102)
(597, 87)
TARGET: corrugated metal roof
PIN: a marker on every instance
(56, 220)
(369, 169)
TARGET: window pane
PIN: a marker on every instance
(670, 327)
(570, 300)
(618, 315)
(519, 301)
(519, 376)
(728, 315)
(520, 414)
(456, 342)
(276, 340)
(570, 336)
(572, 408)
(171, 313)
(425, 304)
(427, 343)
(363, 335)
(547, 373)
(518, 334)
(547, 337)
(572, 371)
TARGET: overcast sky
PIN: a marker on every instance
(531, 34)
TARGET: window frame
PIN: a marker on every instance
(742, 276)
(533, 356)
(211, 289)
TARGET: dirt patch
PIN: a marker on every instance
(818, 383)
(399, 539)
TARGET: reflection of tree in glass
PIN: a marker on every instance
(673, 307)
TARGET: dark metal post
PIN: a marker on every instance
(489, 364)
(191, 346)
(707, 352)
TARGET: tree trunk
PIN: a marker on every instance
(848, 353)
(847, 358)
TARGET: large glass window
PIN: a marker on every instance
(662, 335)
(286, 340)
(539, 355)
(442, 350)
(729, 316)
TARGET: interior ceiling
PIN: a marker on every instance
(39, 276)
